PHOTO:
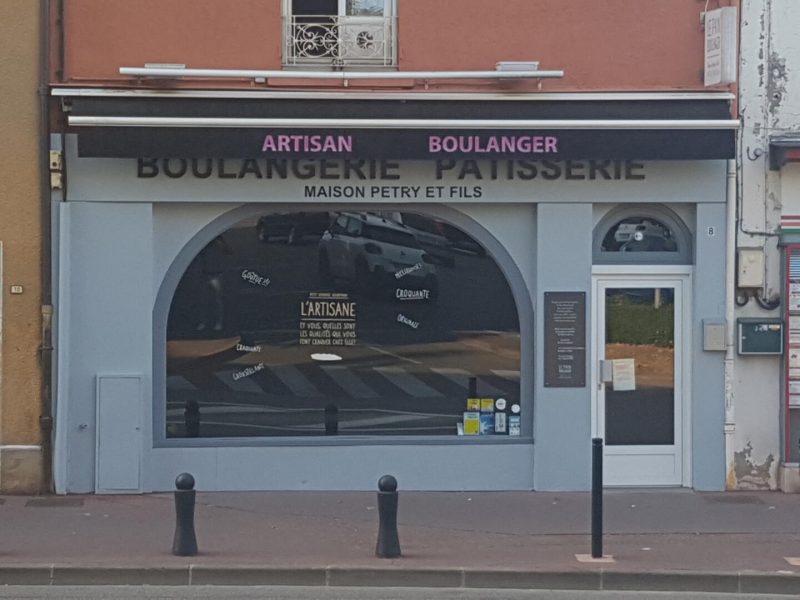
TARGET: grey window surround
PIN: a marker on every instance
(168, 286)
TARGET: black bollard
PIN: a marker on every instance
(388, 542)
(597, 498)
(331, 420)
(191, 417)
(185, 542)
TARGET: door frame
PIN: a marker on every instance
(630, 274)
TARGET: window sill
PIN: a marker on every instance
(341, 440)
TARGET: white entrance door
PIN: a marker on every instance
(638, 378)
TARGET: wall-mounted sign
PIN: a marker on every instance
(408, 144)
(375, 140)
(565, 339)
(720, 48)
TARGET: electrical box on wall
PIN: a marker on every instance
(760, 336)
(751, 268)
(714, 335)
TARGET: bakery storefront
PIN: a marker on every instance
(461, 293)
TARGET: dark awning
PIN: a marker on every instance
(783, 149)
(412, 129)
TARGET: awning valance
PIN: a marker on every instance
(403, 129)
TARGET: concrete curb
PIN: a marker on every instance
(337, 576)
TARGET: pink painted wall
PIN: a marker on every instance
(602, 45)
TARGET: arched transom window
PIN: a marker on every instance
(642, 235)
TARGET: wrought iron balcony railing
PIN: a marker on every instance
(339, 41)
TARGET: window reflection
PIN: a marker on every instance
(342, 323)
(365, 8)
(639, 234)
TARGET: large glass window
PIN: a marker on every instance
(342, 323)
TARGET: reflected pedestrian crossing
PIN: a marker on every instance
(295, 381)
(238, 384)
(316, 381)
(408, 383)
(349, 382)
(461, 375)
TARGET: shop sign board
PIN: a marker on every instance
(720, 46)
(407, 144)
(565, 339)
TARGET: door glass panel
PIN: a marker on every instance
(640, 342)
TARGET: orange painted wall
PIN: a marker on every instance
(21, 237)
(606, 46)
(102, 35)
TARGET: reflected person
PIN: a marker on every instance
(212, 266)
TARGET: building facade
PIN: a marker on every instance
(766, 419)
(24, 316)
(351, 238)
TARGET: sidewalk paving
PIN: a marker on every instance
(660, 539)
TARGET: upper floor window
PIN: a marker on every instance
(339, 33)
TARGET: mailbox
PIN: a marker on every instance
(760, 336)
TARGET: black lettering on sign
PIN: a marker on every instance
(147, 168)
(385, 170)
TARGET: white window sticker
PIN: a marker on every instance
(623, 374)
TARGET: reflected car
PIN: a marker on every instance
(430, 234)
(293, 227)
(627, 231)
(461, 242)
(649, 243)
(378, 255)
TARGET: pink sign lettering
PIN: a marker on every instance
(500, 144)
(338, 144)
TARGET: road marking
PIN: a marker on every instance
(510, 375)
(179, 382)
(393, 355)
(293, 379)
(372, 421)
(226, 410)
(461, 378)
(348, 381)
(587, 558)
(243, 384)
(407, 382)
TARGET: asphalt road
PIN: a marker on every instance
(317, 593)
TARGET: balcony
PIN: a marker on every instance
(338, 42)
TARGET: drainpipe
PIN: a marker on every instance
(46, 346)
(730, 291)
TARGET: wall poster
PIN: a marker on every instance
(565, 339)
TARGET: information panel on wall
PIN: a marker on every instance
(565, 339)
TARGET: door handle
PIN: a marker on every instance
(605, 373)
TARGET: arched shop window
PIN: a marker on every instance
(342, 323)
(632, 235)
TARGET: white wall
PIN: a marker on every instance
(769, 106)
